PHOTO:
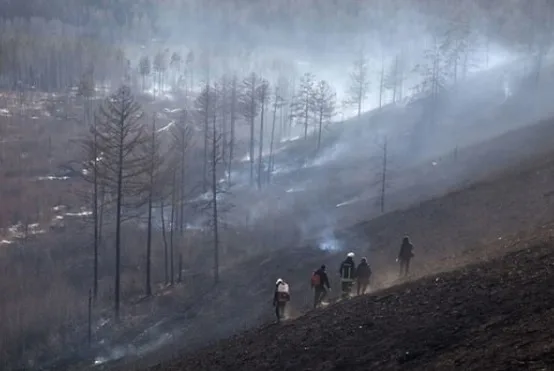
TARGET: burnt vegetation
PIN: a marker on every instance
(171, 157)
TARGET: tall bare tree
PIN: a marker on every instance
(303, 101)
(359, 82)
(233, 106)
(325, 106)
(278, 104)
(145, 69)
(120, 139)
(182, 137)
(204, 108)
(394, 78)
(153, 190)
(263, 98)
(250, 109)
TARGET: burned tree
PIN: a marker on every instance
(250, 108)
(324, 107)
(92, 174)
(434, 75)
(145, 68)
(302, 106)
(204, 108)
(181, 139)
(278, 104)
(263, 97)
(394, 79)
(359, 82)
(233, 107)
(121, 138)
(154, 165)
(382, 170)
(213, 204)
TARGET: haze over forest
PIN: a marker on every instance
(144, 144)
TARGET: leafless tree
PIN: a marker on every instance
(121, 138)
(324, 105)
(145, 69)
(153, 190)
(263, 98)
(394, 79)
(233, 106)
(204, 108)
(250, 109)
(359, 82)
(278, 104)
(304, 101)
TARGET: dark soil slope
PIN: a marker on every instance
(496, 315)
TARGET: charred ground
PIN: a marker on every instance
(494, 315)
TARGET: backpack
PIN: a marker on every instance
(283, 292)
(316, 279)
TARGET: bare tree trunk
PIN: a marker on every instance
(384, 176)
(320, 129)
(233, 121)
(261, 146)
(149, 248)
(214, 203)
(271, 142)
(164, 235)
(206, 141)
(148, 288)
(95, 214)
(382, 84)
(171, 232)
(252, 152)
(119, 196)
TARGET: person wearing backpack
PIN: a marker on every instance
(363, 274)
(281, 298)
(405, 255)
(320, 284)
(347, 273)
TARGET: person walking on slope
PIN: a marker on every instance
(320, 284)
(347, 273)
(363, 274)
(281, 298)
(405, 255)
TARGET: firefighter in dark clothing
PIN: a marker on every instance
(363, 274)
(281, 298)
(320, 284)
(405, 255)
(347, 273)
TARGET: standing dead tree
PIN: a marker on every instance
(278, 103)
(155, 163)
(233, 107)
(181, 139)
(263, 98)
(145, 69)
(213, 204)
(324, 106)
(359, 82)
(382, 170)
(250, 109)
(203, 106)
(92, 174)
(302, 107)
(120, 139)
(394, 79)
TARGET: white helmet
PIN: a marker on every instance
(279, 281)
(350, 255)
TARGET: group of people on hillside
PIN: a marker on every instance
(349, 274)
